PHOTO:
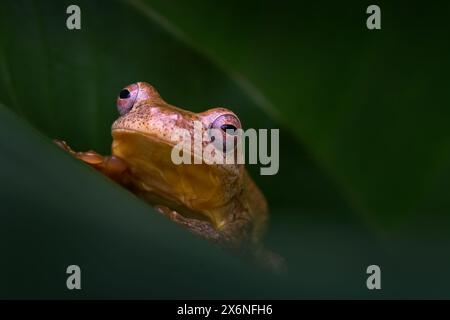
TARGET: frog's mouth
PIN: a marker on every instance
(200, 191)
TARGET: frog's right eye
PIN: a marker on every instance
(127, 98)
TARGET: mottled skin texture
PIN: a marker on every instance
(219, 202)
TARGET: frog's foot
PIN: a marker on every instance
(111, 166)
(204, 229)
(199, 227)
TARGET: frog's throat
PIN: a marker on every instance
(196, 190)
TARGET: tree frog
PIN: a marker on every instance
(219, 202)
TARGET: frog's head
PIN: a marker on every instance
(143, 137)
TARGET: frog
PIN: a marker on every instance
(219, 202)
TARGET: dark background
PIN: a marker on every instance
(364, 159)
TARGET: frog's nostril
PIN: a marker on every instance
(124, 94)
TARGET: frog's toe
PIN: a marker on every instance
(63, 145)
(201, 228)
(90, 157)
(169, 213)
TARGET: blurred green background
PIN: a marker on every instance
(364, 158)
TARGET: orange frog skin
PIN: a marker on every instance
(219, 202)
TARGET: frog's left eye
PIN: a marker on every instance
(127, 98)
(227, 125)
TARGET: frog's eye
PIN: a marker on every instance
(225, 125)
(127, 98)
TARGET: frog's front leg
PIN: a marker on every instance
(224, 238)
(111, 166)
(232, 237)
